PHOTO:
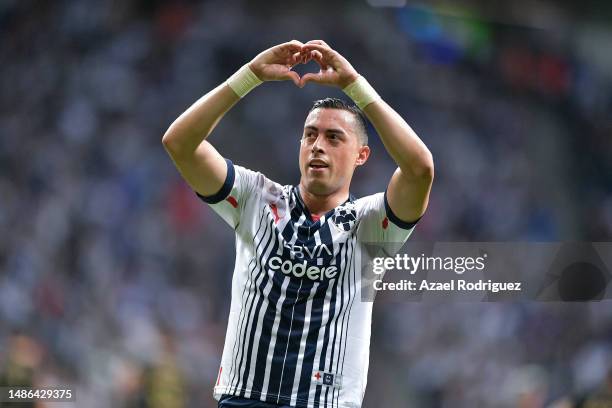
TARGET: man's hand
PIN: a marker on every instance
(335, 70)
(274, 64)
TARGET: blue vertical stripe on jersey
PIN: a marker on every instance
(287, 365)
(243, 366)
(352, 295)
(332, 312)
(316, 317)
(282, 334)
(295, 336)
(341, 271)
(343, 250)
(352, 285)
(265, 336)
(244, 304)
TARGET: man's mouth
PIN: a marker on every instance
(317, 164)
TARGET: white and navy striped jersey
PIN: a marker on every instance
(298, 333)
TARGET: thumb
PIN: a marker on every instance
(310, 77)
(293, 76)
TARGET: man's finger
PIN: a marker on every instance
(320, 42)
(325, 51)
(310, 77)
(316, 54)
(295, 43)
(296, 58)
(293, 76)
(323, 56)
(293, 46)
(318, 57)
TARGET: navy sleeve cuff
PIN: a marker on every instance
(225, 189)
(394, 219)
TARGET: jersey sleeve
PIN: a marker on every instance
(238, 189)
(379, 226)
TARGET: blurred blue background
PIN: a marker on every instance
(115, 278)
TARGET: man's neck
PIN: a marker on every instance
(321, 204)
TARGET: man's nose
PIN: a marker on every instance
(317, 146)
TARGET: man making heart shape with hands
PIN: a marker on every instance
(298, 333)
(275, 64)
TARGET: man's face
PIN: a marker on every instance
(330, 151)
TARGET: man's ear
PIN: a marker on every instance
(364, 153)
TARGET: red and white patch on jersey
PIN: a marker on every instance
(274, 209)
(385, 223)
(232, 200)
(219, 375)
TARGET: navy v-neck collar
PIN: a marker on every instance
(303, 208)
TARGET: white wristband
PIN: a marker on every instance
(361, 92)
(243, 81)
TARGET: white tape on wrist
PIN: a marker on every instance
(361, 92)
(243, 81)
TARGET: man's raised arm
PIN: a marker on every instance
(198, 161)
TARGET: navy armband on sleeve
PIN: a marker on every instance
(394, 218)
(225, 190)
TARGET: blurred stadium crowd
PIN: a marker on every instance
(115, 279)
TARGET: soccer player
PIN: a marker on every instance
(298, 333)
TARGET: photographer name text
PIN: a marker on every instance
(449, 286)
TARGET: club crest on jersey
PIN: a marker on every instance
(345, 217)
(327, 379)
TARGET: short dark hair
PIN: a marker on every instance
(335, 103)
